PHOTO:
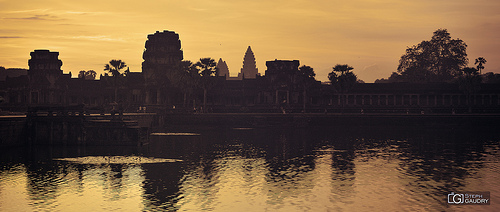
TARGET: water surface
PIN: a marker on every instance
(250, 169)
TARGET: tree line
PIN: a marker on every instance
(190, 78)
(441, 59)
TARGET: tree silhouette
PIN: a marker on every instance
(479, 62)
(490, 77)
(114, 68)
(469, 82)
(90, 75)
(190, 79)
(81, 74)
(207, 80)
(439, 59)
(87, 75)
(185, 76)
(342, 79)
(306, 79)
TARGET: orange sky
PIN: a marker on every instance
(370, 35)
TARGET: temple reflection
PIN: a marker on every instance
(265, 169)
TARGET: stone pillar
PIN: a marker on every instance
(288, 97)
(148, 97)
(158, 97)
(277, 97)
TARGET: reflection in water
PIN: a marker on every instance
(71, 188)
(281, 169)
(117, 160)
(175, 134)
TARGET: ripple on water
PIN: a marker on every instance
(175, 134)
(117, 160)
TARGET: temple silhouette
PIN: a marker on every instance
(158, 89)
(248, 71)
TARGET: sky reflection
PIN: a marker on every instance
(72, 188)
(254, 170)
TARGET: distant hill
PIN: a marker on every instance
(11, 72)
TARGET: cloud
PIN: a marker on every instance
(371, 68)
(79, 13)
(27, 11)
(99, 38)
(44, 17)
(10, 37)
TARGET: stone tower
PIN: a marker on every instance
(163, 51)
(44, 67)
(44, 74)
(223, 69)
(249, 70)
(44, 62)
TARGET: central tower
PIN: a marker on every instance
(162, 56)
(249, 70)
(163, 51)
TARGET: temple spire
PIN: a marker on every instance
(249, 70)
(223, 69)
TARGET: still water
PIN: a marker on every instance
(245, 169)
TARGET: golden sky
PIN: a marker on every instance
(370, 35)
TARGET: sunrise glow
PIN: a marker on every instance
(370, 35)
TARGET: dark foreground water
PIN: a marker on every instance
(244, 169)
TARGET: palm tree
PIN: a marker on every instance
(306, 79)
(207, 71)
(114, 68)
(185, 77)
(469, 83)
(480, 61)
